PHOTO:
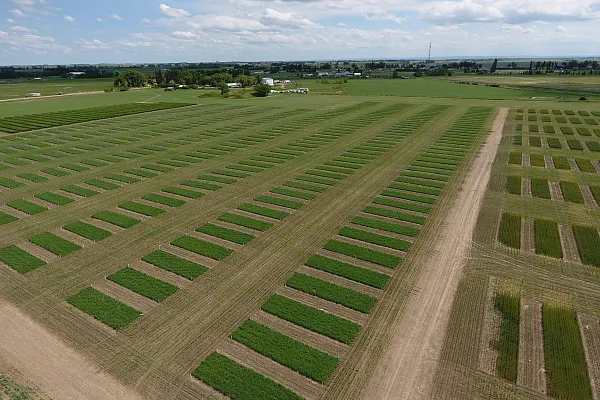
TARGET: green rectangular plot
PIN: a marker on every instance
(247, 222)
(54, 244)
(7, 218)
(311, 318)
(10, 183)
(219, 179)
(585, 165)
(540, 188)
(264, 211)
(296, 355)
(537, 160)
(408, 196)
(375, 238)
(305, 186)
(20, 260)
(330, 292)
(192, 194)
(165, 200)
(571, 192)
(386, 226)
(140, 208)
(201, 185)
(235, 174)
(75, 167)
(80, 191)
(93, 163)
(142, 173)
(55, 172)
(54, 198)
(239, 382)
(588, 243)
(117, 219)
(26, 206)
(87, 231)
(348, 271)
(225, 233)
(99, 183)
(363, 253)
(202, 247)
(143, 284)
(547, 238)
(104, 308)
(122, 178)
(177, 265)
(561, 163)
(279, 202)
(315, 179)
(154, 167)
(33, 177)
(293, 193)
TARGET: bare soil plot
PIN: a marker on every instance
(532, 373)
(590, 334)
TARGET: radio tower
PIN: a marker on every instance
(429, 57)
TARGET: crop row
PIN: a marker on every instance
(560, 162)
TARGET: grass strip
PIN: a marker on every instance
(54, 244)
(26, 206)
(509, 307)
(509, 232)
(408, 196)
(201, 185)
(226, 233)
(311, 318)
(571, 192)
(384, 212)
(143, 284)
(143, 209)
(293, 193)
(540, 188)
(295, 355)
(102, 184)
(54, 198)
(330, 292)
(305, 186)
(363, 253)
(402, 205)
(238, 382)
(7, 218)
(375, 238)
(247, 222)
(191, 194)
(348, 271)
(513, 184)
(104, 308)
(79, 191)
(20, 260)
(177, 265)
(279, 202)
(117, 219)
(264, 211)
(386, 226)
(202, 247)
(164, 200)
(588, 244)
(566, 368)
(547, 239)
(87, 231)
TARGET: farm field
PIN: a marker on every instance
(200, 248)
(525, 318)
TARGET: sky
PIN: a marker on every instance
(147, 31)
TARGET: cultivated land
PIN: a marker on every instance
(316, 247)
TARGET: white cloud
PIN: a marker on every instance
(68, 18)
(22, 29)
(17, 13)
(561, 28)
(378, 15)
(99, 19)
(185, 35)
(173, 12)
(92, 44)
(116, 17)
(10, 21)
(516, 28)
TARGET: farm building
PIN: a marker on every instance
(268, 81)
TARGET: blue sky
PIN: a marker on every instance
(143, 31)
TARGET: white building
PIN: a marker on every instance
(268, 81)
(33, 95)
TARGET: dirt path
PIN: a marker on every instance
(531, 374)
(58, 370)
(409, 361)
(590, 333)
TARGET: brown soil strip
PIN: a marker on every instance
(132, 214)
(300, 384)
(103, 225)
(588, 197)
(323, 305)
(567, 240)
(555, 191)
(124, 295)
(391, 220)
(590, 334)
(532, 374)
(488, 354)
(294, 331)
(596, 165)
(235, 227)
(526, 160)
(73, 237)
(573, 165)
(549, 162)
(528, 235)
(12, 211)
(526, 187)
(376, 247)
(338, 280)
(55, 367)
(161, 274)
(384, 233)
(417, 338)
(255, 216)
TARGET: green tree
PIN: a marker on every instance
(223, 87)
(133, 78)
(261, 90)
(245, 80)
